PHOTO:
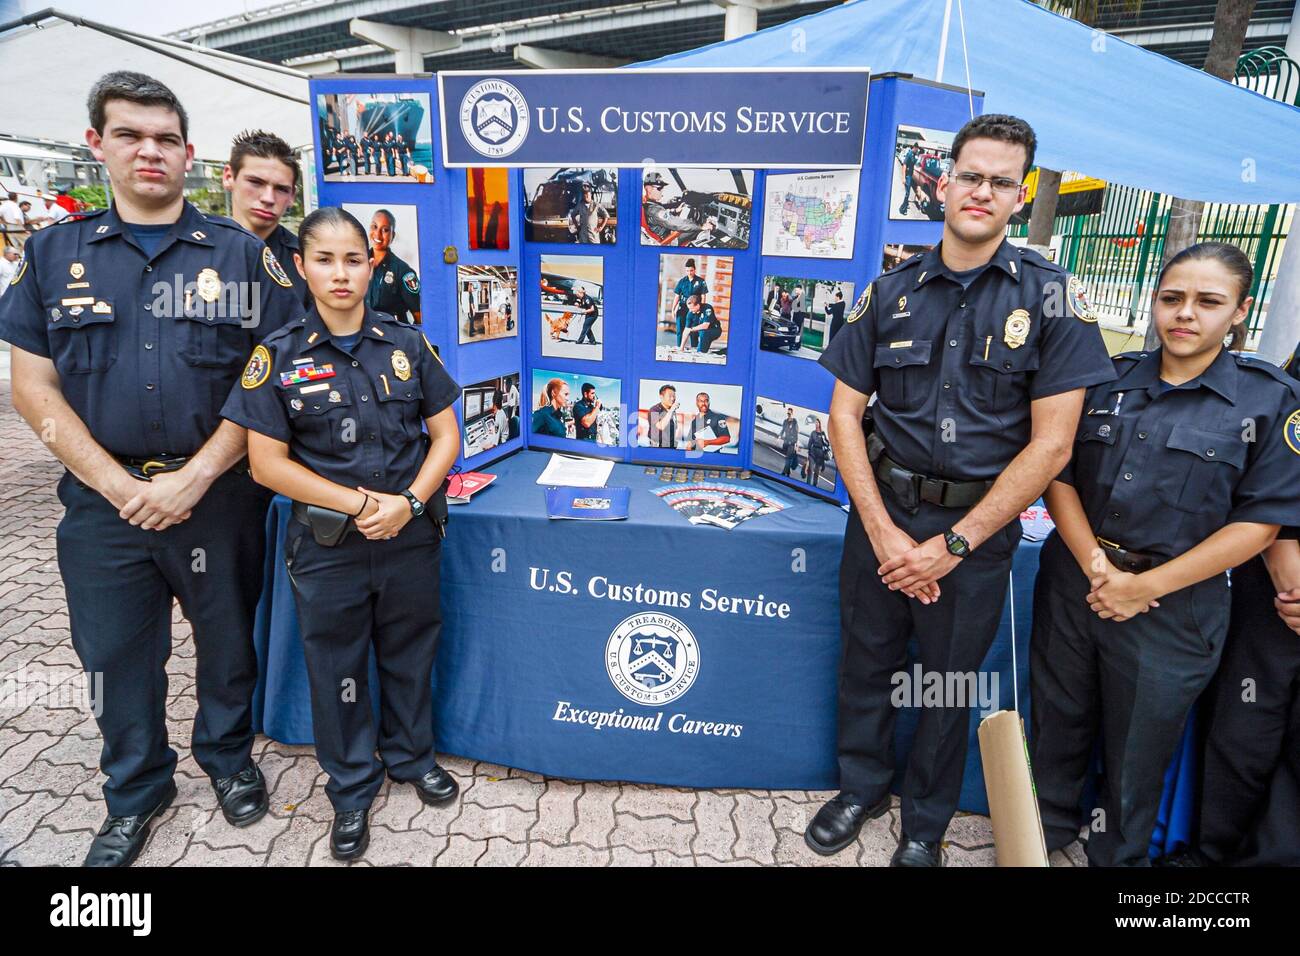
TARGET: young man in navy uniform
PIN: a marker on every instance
(394, 285)
(129, 326)
(978, 354)
(262, 178)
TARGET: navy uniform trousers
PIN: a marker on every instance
(1133, 682)
(1250, 797)
(350, 597)
(953, 635)
(120, 582)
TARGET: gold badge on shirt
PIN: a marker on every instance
(1016, 331)
(76, 270)
(401, 365)
(208, 284)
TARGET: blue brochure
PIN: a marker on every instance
(591, 504)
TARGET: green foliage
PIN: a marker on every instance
(207, 199)
(96, 197)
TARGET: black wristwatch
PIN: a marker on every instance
(957, 545)
(417, 506)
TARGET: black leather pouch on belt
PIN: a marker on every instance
(328, 527)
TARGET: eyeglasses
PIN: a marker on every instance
(1000, 184)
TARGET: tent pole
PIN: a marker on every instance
(943, 41)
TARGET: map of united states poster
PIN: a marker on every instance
(811, 214)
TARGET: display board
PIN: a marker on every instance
(536, 282)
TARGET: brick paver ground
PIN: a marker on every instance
(50, 803)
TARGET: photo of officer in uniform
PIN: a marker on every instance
(709, 208)
(920, 159)
(395, 255)
(793, 441)
(571, 205)
(800, 315)
(489, 422)
(486, 297)
(706, 417)
(375, 137)
(585, 408)
(694, 309)
(572, 307)
(896, 253)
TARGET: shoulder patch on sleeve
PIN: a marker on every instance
(860, 307)
(411, 281)
(273, 268)
(22, 271)
(258, 369)
(1291, 432)
(1076, 296)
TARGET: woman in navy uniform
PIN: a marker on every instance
(1183, 467)
(1250, 788)
(334, 405)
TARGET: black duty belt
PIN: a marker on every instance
(912, 488)
(1134, 562)
(144, 468)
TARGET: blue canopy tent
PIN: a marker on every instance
(1099, 105)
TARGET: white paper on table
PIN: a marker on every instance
(576, 471)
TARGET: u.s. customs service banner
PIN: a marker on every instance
(765, 119)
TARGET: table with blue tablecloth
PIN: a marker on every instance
(527, 674)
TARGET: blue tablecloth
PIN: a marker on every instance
(530, 605)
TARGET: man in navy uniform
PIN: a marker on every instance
(129, 326)
(262, 178)
(978, 354)
(585, 412)
(394, 285)
(687, 286)
(706, 420)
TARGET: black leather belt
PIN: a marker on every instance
(1134, 562)
(912, 488)
(143, 468)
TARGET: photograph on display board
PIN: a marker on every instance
(571, 205)
(490, 410)
(688, 416)
(487, 196)
(706, 208)
(395, 255)
(375, 137)
(800, 316)
(571, 405)
(921, 157)
(573, 307)
(694, 310)
(811, 215)
(793, 442)
(896, 253)
(486, 302)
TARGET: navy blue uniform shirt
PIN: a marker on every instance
(581, 409)
(548, 421)
(352, 417)
(1160, 470)
(283, 244)
(395, 289)
(146, 347)
(954, 370)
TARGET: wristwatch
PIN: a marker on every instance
(957, 545)
(417, 506)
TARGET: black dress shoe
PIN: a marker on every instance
(435, 787)
(243, 797)
(837, 823)
(350, 834)
(121, 839)
(917, 853)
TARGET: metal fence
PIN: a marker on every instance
(1117, 252)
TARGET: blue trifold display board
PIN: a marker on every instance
(631, 281)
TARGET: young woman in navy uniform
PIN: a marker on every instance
(334, 406)
(1183, 467)
(1250, 788)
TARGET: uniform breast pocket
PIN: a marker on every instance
(324, 421)
(399, 403)
(1000, 374)
(1199, 468)
(901, 374)
(83, 338)
(213, 341)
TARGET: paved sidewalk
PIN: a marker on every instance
(50, 804)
